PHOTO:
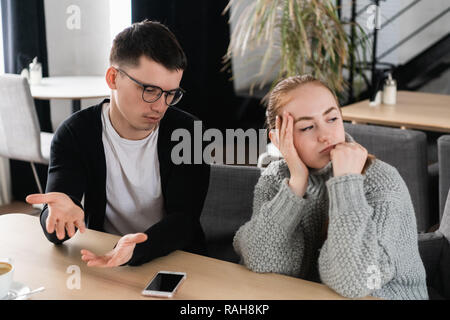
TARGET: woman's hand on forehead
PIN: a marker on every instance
(284, 141)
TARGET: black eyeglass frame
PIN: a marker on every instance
(145, 86)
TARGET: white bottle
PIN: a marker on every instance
(35, 72)
(25, 74)
(390, 91)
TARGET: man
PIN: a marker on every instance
(117, 154)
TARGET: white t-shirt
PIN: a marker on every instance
(133, 183)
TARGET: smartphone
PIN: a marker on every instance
(164, 284)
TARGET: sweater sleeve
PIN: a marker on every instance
(355, 259)
(270, 241)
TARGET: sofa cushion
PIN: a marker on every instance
(228, 205)
(406, 150)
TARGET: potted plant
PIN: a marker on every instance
(290, 37)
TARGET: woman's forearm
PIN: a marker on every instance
(270, 241)
(353, 249)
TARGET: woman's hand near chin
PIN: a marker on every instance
(348, 158)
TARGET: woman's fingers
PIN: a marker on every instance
(283, 127)
(289, 130)
(287, 141)
(276, 133)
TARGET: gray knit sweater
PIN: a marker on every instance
(369, 247)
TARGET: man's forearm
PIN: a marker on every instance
(175, 232)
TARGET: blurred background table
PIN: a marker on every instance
(73, 88)
(413, 110)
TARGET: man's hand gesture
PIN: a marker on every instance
(121, 254)
(63, 214)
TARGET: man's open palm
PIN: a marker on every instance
(63, 215)
(121, 254)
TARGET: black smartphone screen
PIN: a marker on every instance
(166, 282)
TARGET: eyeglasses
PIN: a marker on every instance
(151, 93)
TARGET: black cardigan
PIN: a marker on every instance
(78, 166)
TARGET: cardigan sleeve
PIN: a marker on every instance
(66, 174)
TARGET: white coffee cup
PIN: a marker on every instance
(6, 276)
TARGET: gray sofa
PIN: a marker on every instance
(444, 170)
(434, 250)
(228, 205)
(406, 150)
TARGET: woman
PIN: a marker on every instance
(328, 211)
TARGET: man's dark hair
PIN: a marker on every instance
(150, 39)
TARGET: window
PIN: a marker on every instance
(119, 16)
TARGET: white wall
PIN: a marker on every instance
(79, 41)
(2, 62)
(5, 179)
(404, 25)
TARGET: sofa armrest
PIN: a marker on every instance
(444, 170)
(434, 250)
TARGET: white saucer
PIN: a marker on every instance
(16, 289)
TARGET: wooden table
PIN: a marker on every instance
(72, 88)
(40, 263)
(414, 110)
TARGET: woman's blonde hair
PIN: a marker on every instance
(278, 98)
(278, 95)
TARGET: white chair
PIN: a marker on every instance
(20, 135)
